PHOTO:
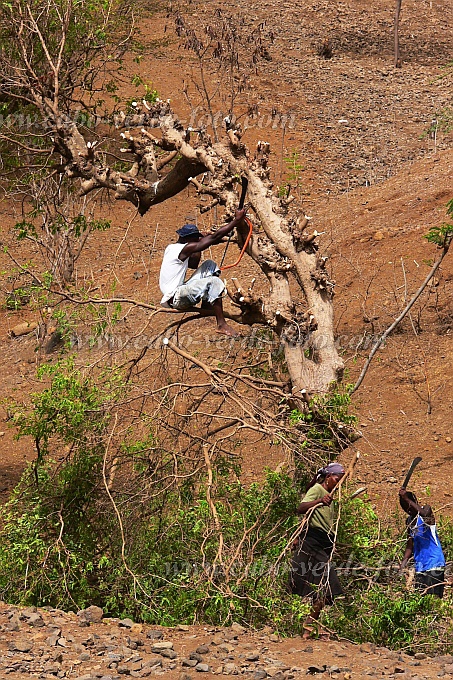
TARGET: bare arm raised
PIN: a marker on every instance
(211, 239)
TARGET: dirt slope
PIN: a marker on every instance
(360, 182)
(374, 183)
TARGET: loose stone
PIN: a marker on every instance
(202, 668)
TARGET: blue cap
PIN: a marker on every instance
(188, 230)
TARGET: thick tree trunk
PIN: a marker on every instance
(281, 251)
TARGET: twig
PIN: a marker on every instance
(408, 307)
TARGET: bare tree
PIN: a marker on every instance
(59, 225)
(47, 71)
(396, 34)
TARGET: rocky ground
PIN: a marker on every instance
(48, 644)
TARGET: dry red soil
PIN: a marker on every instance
(372, 179)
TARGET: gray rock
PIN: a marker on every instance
(168, 653)
(52, 667)
(259, 674)
(114, 658)
(84, 656)
(155, 635)
(237, 628)
(35, 620)
(21, 645)
(92, 614)
(202, 649)
(123, 669)
(189, 663)
(159, 646)
(202, 668)
(252, 656)
(136, 641)
(13, 624)
(135, 658)
(196, 656)
(126, 623)
(28, 611)
(230, 669)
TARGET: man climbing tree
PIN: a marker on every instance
(296, 292)
(204, 285)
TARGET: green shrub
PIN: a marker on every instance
(103, 518)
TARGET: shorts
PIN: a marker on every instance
(204, 285)
(431, 582)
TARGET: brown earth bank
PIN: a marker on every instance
(374, 178)
(49, 644)
(360, 181)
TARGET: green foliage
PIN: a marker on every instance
(201, 547)
(443, 235)
(17, 298)
(442, 123)
(326, 415)
(65, 326)
(149, 94)
(90, 28)
(75, 227)
(294, 168)
(61, 234)
(389, 616)
(377, 606)
(72, 409)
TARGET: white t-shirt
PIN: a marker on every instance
(172, 271)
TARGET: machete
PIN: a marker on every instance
(414, 464)
(245, 183)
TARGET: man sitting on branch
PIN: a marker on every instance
(205, 284)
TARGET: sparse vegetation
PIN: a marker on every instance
(73, 534)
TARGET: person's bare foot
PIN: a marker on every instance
(224, 329)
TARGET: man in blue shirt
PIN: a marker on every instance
(424, 544)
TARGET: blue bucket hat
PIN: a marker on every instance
(188, 230)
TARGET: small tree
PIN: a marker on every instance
(59, 224)
(396, 34)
